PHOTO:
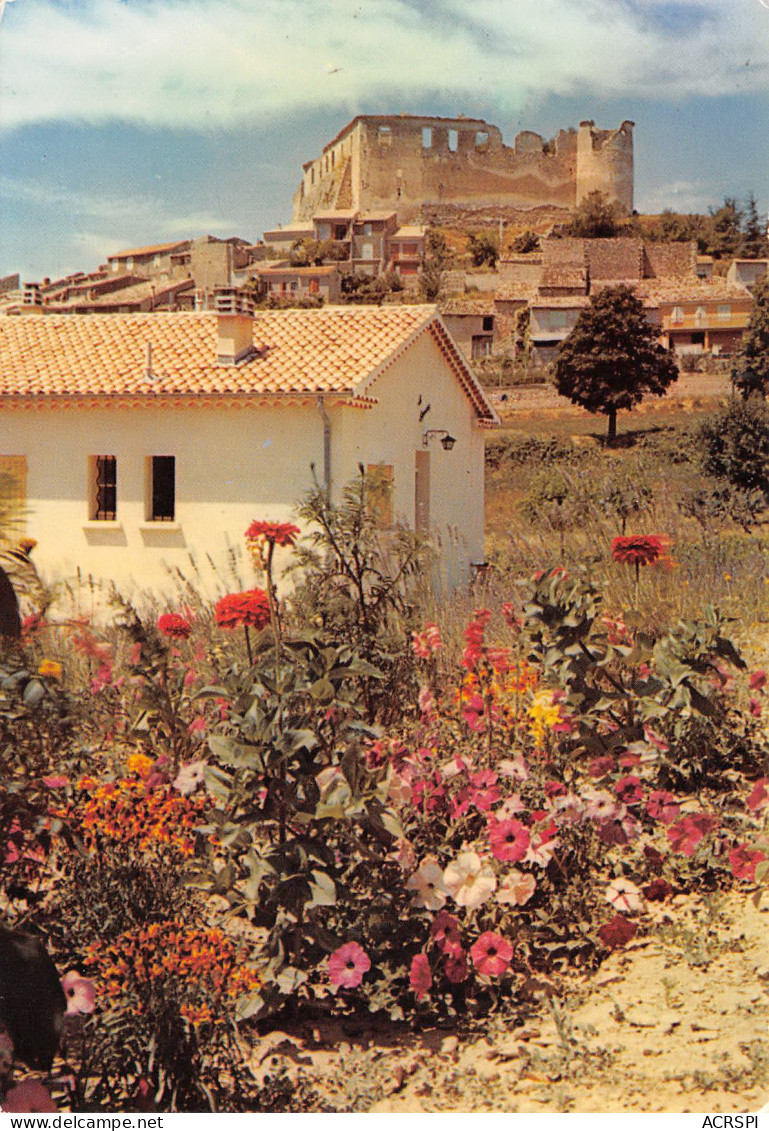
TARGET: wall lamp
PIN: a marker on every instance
(447, 440)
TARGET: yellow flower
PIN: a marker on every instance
(544, 715)
(50, 668)
(140, 765)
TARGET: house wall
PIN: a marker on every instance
(392, 434)
(237, 464)
(232, 465)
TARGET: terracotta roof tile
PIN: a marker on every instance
(153, 249)
(331, 350)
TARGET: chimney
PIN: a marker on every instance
(234, 326)
(32, 302)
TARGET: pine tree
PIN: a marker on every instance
(750, 372)
(754, 242)
(612, 359)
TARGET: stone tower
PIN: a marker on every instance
(605, 163)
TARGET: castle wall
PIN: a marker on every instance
(413, 163)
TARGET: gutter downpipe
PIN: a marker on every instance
(326, 448)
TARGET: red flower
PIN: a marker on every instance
(509, 840)
(600, 767)
(445, 930)
(347, 965)
(754, 706)
(628, 789)
(279, 533)
(657, 890)
(171, 624)
(687, 834)
(617, 932)
(662, 806)
(420, 976)
(491, 954)
(759, 796)
(455, 967)
(242, 610)
(743, 862)
(639, 549)
(757, 680)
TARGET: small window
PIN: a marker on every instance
(314, 286)
(379, 493)
(481, 139)
(677, 314)
(700, 314)
(102, 488)
(453, 140)
(427, 137)
(129, 263)
(161, 488)
(368, 229)
(724, 311)
(488, 323)
(385, 135)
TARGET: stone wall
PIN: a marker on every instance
(413, 163)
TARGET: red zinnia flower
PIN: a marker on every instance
(617, 932)
(638, 549)
(279, 533)
(420, 976)
(250, 609)
(171, 624)
(491, 954)
(347, 965)
(508, 839)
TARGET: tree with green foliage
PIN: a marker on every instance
(528, 241)
(595, 216)
(612, 359)
(754, 242)
(750, 372)
(734, 445)
(724, 230)
(484, 250)
(437, 259)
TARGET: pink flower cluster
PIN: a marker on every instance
(427, 642)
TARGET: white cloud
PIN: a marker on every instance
(202, 64)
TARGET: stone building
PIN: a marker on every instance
(411, 163)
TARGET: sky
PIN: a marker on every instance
(131, 122)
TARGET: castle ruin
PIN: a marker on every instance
(413, 164)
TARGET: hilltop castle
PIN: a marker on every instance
(418, 164)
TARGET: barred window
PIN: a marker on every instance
(102, 488)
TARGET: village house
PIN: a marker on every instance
(470, 321)
(284, 281)
(138, 440)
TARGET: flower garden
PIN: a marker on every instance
(333, 801)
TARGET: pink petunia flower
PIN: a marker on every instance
(347, 965)
(29, 1096)
(508, 839)
(757, 680)
(628, 790)
(56, 781)
(600, 767)
(491, 954)
(686, 834)
(445, 930)
(420, 976)
(663, 806)
(80, 993)
(190, 776)
(759, 795)
(743, 862)
(455, 967)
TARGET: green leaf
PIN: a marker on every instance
(323, 890)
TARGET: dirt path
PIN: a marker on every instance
(678, 1022)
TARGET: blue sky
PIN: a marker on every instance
(125, 122)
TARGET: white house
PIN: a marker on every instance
(135, 440)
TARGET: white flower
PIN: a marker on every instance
(602, 805)
(190, 776)
(427, 884)
(514, 768)
(570, 809)
(402, 852)
(509, 807)
(469, 880)
(623, 895)
(516, 888)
